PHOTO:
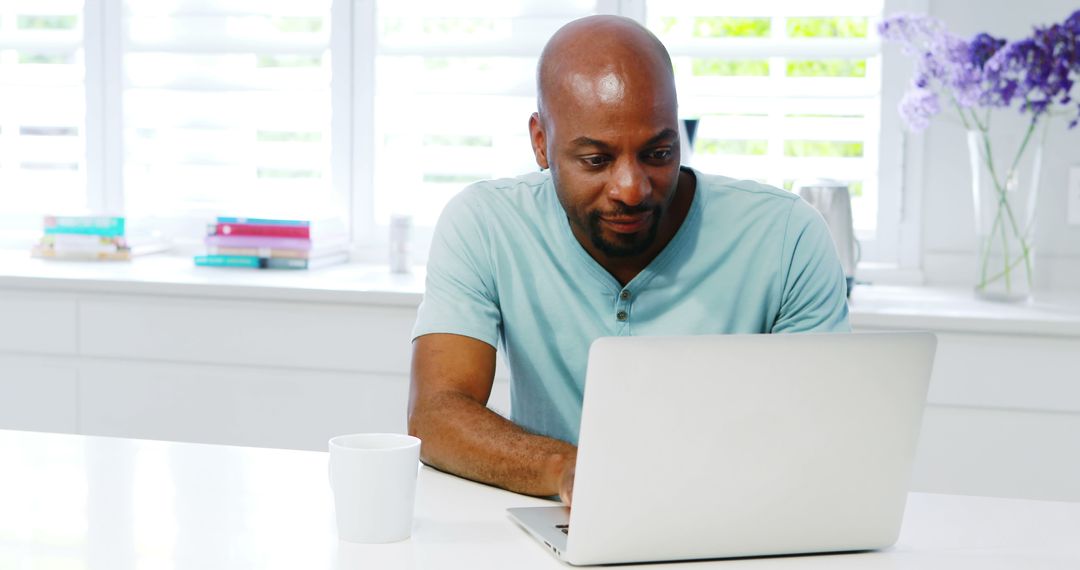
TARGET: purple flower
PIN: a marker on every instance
(910, 30)
(962, 75)
(918, 106)
(1072, 23)
(944, 63)
(982, 47)
(1036, 73)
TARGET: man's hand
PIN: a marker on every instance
(566, 483)
(560, 470)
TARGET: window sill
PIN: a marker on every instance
(872, 306)
(957, 310)
(164, 274)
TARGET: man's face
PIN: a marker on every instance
(612, 146)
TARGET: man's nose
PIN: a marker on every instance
(629, 183)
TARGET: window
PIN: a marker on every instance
(226, 108)
(784, 90)
(362, 109)
(42, 112)
(454, 89)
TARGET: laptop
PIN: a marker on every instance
(732, 446)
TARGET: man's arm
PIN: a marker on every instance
(452, 376)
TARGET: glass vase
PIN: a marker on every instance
(1005, 187)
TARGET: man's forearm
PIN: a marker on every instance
(464, 437)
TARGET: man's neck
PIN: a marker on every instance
(624, 269)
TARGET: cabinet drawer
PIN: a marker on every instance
(997, 371)
(263, 407)
(32, 322)
(331, 337)
(38, 394)
(1000, 453)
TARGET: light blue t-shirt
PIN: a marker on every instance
(505, 268)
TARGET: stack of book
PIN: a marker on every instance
(83, 238)
(274, 244)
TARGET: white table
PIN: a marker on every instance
(69, 501)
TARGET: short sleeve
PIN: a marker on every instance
(814, 290)
(460, 295)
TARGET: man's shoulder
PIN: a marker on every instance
(498, 206)
(724, 185)
(513, 191)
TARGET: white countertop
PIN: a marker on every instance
(958, 310)
(872, 306)
(162, 274)
(69, 501)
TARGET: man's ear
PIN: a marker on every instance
(539, 141)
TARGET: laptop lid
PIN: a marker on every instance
(746, 445)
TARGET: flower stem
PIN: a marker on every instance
(988, 157)
(1004, 209)
(1023, 145)
(1005, 271)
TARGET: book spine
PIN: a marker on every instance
(259, 242)
(93, 225)
(258, 252)
(88, 249)
(263, 221)
(81, 240)
(49, 253)
(284, 263)
(262, 230)
(228, 261)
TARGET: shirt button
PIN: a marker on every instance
(625, 294)
(621, 315)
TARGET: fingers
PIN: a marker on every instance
(566, 484)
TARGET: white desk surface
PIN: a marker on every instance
(92, 503)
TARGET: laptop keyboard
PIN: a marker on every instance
(565, 528)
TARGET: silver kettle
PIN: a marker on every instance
(833, 200)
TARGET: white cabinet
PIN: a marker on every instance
(1002, 417)
(268, 407)
(255, 333)
(38, 323)
(1040, 373)
(1005, 453)
(195, 362)
(38, 394)
(231, 371)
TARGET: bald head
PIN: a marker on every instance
(607, 127)
(601, 60)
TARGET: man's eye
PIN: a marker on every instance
(660, 154)
(595, 160)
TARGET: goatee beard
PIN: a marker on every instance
(628, 245)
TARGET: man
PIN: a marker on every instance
(617, 240)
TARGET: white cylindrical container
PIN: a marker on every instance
(400, 228)
(373, 476)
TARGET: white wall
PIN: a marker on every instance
(948, 225)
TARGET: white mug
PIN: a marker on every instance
(373, 476)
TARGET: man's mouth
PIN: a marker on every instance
(628, 224)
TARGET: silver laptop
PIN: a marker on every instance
(741, 445)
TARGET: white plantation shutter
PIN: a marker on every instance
(227, 107)
(784, 89)
(454, 88)
(42, 111)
